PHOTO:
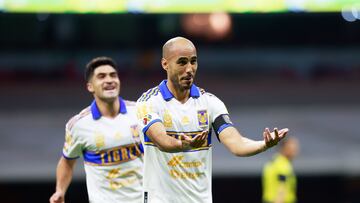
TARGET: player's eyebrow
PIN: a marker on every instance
(186, 58)
(182, 58)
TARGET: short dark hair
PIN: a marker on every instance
(95, 63)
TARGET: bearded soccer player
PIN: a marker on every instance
(176, 121)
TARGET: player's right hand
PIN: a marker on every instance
(195, 142)
(57, 197)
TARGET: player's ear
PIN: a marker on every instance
(90, 87)
(164, 64)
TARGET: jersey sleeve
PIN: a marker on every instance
(72, 146)
(219, 115)
(216, 106)
(147, 114)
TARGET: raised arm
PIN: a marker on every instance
(64, 173)
(242, 146)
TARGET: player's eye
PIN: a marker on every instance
(182, 62)
(101, 75)
(113, 75)
(194, 61)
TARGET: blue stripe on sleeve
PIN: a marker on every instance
(223, 127)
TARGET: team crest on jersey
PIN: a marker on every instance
(167, 119)
(203, 118)
(146, 119)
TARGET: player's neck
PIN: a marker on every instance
(179, 94)
(109, 109)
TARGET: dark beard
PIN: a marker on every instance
(178, 86)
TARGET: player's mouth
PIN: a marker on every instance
(109, 87)
(187, 78)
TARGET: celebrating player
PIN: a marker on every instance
(176, 121)
(106, 135)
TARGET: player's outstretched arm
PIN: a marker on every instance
(64, 172)
(242, 146)
(158, 136)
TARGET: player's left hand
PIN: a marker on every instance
(272, 138)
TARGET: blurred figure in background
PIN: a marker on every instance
(279, 179)
(106, 135)
(177, 119)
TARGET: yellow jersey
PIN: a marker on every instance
(279, 173)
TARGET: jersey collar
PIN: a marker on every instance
(167, 95)
(96, 112)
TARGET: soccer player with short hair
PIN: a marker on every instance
(176, 120)
(106, 135)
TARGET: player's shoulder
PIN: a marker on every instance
(129, 103)
(203, 92)
(206, 94)
(210, 98)
(149, 95)
(76, 119)
(130, 106)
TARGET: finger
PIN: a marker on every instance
(186, 138)
(265, 137)
(267, 131)
(204, 135)
(283, 132)
(200, 143)
(276, 132)
(197, 137)
(200, 136)
(268, 134)
(198, 140)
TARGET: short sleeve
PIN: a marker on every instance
(147, 114)
(216, 107)
(219, 115)
(72, 146)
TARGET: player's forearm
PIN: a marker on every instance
(170, 145)
(249, 147)
(239, 145)
(165, 143)
(64, 173)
